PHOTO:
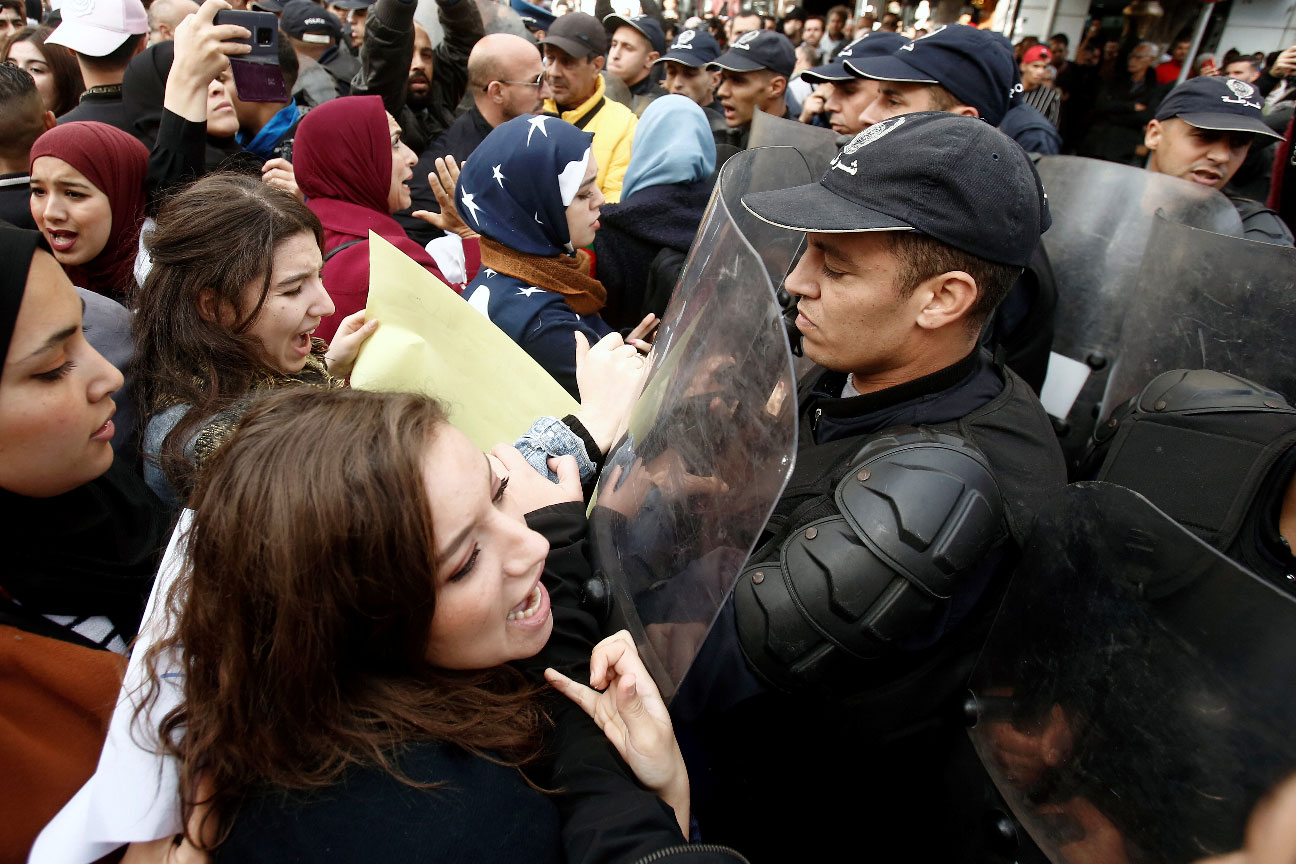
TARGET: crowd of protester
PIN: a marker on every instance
(186, 273)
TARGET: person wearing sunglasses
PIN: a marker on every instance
(506, 80)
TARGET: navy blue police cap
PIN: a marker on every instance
(647, 26)
(976, 66)
(1216, 103)
(758, 49)
(949, 176)
(879, 43)
(694, 48)
(310, 22)
(533, 17)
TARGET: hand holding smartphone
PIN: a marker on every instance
(257, 76)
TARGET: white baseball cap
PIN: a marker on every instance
(99, 27)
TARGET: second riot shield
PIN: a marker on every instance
(818, 146)
(710, 444)
(1133, 700)
(1208, 301)
(1103, 215)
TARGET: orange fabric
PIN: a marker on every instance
(56, 699)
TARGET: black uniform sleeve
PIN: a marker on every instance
(607, 816)
(178, 156)
(462, 23)
(386, 52)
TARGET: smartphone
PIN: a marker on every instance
(257, 76)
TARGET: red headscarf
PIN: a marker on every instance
(342, 157)
(116, 164)
(342, 151)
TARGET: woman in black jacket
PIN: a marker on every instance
(360, 649)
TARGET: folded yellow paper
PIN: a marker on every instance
(431, 341)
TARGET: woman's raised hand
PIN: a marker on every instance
(202, 52)
(610, 376)
(632, 715)
(443, 181)
(279, 173)
(350, 336)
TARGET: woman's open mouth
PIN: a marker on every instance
(302, 343)
(533, 610)
(62, 241)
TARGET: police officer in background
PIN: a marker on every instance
(633, 49)
(1202, 132)
(850, 93)
(828, 691)
(688, 73)
(963, 70)
(754, 76)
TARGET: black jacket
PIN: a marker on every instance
(633, 232)
(101, 108)
(388, 49)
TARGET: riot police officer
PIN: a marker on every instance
(919, 462)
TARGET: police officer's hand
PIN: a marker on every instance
(814, 103)
(630, 711)
(443, 181)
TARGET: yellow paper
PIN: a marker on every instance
(430, 341)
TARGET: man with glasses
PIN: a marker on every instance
(506, 80)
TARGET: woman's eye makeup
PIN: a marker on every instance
(467, 567)
(56, 373)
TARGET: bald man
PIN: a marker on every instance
(165, 15)
(506, 80)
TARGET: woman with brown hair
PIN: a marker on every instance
(58, 77)
(227, 310)
(346, 641)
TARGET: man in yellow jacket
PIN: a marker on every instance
(573, 56)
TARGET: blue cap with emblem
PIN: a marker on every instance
(758, 49)
(879, 43)
(533, 17)
(1219, 104)
(949, 176)
(695, 48)
(976, 66)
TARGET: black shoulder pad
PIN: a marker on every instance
(915, 512)
(1186, 390)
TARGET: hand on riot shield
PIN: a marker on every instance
(1133, 699)
(710, 444)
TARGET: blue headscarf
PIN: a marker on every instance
(672, 144)
(516, 187)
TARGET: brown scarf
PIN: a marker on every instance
(561, 274)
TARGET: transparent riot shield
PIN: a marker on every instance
(1134, 698)
(1102, 217)
(817, 145)
(1208, 301)
(710, 445)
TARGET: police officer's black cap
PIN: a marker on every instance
(1216, 103)
(302, 18)
(758, 49)
(645, 25)
(578, 34)
(695, 48)
(879, 43)
(949, 176)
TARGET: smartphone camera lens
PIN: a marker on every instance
(264, 36)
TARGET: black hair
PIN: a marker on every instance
(118, 58)
(21, 112)
(1060, 37)
(289, 65)
(922, 257)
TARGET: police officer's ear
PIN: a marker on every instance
(715, 80)
(652, 58)
(966, 110)
(1152, 135)
(776, 86)
(945, 299)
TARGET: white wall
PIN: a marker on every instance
(1259, 25)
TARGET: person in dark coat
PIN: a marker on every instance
(666, 190)
(1123, 108)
